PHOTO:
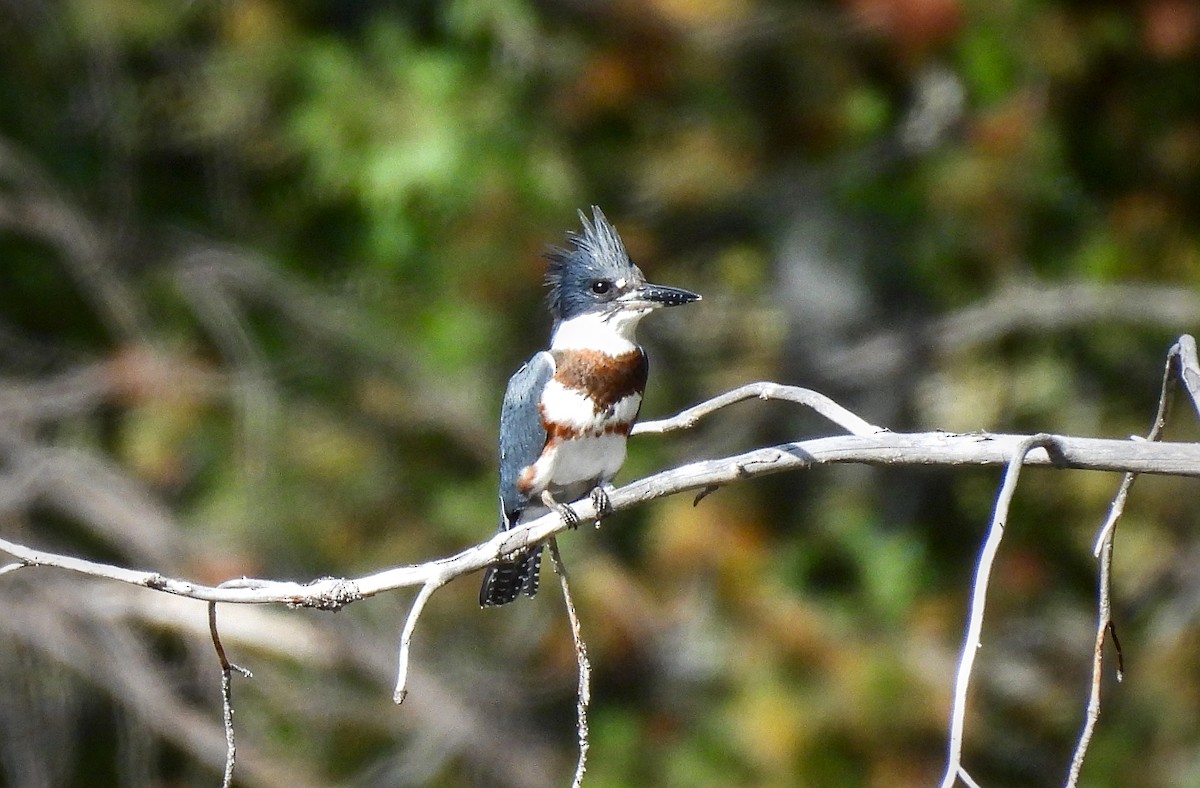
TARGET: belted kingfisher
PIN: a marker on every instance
(568, 411)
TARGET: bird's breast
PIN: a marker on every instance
(593, 393)
(587, 410)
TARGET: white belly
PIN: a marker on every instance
(572, 466)
(591, 460)
(573, 409)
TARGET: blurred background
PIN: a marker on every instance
(266, 266)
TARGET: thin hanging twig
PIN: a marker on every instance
(406, 636)
(1182, 365)
(227, 669)
(987, 556)
(585, 667)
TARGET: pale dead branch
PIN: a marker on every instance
(1182, 365)
(866, 444)
(979, 588)
(584, 695)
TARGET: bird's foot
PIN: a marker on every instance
(562, 510)
(602, 502)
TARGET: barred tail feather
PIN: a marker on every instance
(506, 580)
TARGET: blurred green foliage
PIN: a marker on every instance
(301, 242)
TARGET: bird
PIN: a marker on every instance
(567, 412)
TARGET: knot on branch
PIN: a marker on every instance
(340, 592)
(156, 582)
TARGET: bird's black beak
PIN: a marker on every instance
(662, 295)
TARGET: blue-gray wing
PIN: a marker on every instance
(522, 436)
(522, 439)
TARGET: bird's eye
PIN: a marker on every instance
(601, 286)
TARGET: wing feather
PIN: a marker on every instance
(522, 439)
(522, 436)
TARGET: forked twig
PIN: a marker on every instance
(1182, 364)
(12, 567)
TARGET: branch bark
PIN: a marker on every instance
(980, 449)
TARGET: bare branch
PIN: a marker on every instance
(585, 667)
(406, 636)
(1184, 352)
(987, 556)
(966, 778)
(764, 391)
(1181, 357)
(227, 669)
(883, 448)
(1104, 625)
(866, 444)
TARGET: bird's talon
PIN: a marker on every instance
(569, 518)
(602, 503)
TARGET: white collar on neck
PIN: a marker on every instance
(612, 333)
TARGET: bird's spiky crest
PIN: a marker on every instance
(600, 238)
(597, 251)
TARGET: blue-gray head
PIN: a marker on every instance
(596, 276)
